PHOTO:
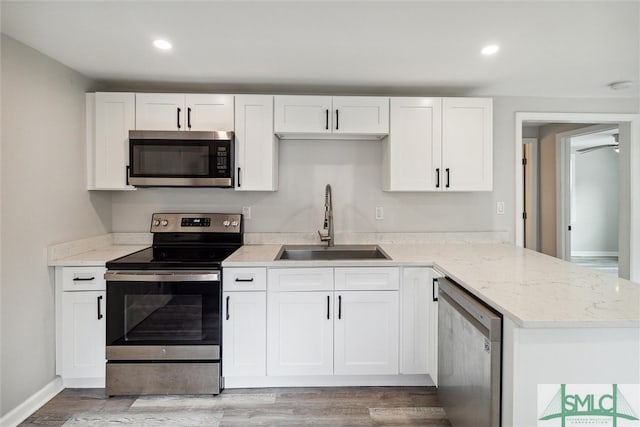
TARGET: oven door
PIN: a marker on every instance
(163, 315)
(180, 159)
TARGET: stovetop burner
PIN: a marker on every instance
(186, 241)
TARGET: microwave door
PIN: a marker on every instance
(176, 163)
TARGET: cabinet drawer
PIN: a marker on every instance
(244, 279)
(301, 279)
(83, 278)
(367, 279)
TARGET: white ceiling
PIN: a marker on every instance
(548, 48)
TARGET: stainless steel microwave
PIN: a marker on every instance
(180, 159)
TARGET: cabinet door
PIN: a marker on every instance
(83, 334)
(256, 145)
(417, 330)
(160, 111)
(114, 117)
(412, 152)
(244, 334)
(467, 144)
(365, 115)
(209, 112)
(299, 333)
(366, 333)
(303, 114)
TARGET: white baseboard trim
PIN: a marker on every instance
(328, 381)
(593, 253)
(32, 404)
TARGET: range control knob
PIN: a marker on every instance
(156, 222)
(164, 222)
(226, 223)
(234, 223)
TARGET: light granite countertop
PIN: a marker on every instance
(96, 257)
(532, 289)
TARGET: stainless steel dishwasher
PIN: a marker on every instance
(469, 356)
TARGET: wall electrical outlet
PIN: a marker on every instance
(500, 208)
(379, 213)
(246, 212)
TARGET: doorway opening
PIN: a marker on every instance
(578, 192)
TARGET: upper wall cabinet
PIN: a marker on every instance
(326, 117)
(171, 111)
(110, 116)
(256, 145)
(439, 144)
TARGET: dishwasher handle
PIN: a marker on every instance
(478, 313)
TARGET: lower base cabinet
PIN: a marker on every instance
(81, 323)
(419, 322)
(300, 333)
(333, 332)
(244, 334)
(366, 333)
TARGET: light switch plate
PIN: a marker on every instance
(379, 213)
(500, 208)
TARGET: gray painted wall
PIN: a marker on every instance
(44, 201)
(596, 201)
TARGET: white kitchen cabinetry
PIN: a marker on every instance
(439, 144)
(244, 317)
(467, 144)
(314, 330)
(80, 326)
(110, 116)
(366, 333)
(419, 322)
(256, 145)
(173, 111)
(300, 333)
(325, 117)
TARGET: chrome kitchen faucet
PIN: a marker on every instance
(328, 218)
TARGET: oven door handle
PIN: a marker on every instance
(162, 276)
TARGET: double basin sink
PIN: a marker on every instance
(337, 252)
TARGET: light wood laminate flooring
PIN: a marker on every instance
(317, 406)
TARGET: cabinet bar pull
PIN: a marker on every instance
(239, 170)
(84, 279)
(337, 119)
(447, 170)
(339, 306)
(189, 117)
(126, 174)
(437, 177)
(100, 316)
(433, 289)
(244, 280)
(227, 307)
(328, 306)
(178, 117)
(326, 118)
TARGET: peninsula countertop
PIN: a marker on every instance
(532, 289)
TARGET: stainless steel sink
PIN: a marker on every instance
(337, 252)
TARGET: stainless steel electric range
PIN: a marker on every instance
(164, 307)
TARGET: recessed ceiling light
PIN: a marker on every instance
(162, 44)
(490, 49)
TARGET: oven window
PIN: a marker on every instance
(162, 313)
(163, 317)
